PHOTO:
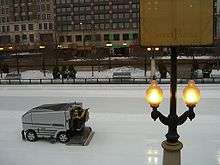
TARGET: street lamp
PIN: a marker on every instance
(191, 97)
(154, 95)
(10, 47)
(42, 47)
(109, 45)
(191, 94)
(1, 49)
(83, 37)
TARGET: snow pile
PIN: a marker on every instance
(135, 72)
(36, 74)
(215, 73)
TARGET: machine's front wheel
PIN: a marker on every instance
(31, 136)
(63, 137)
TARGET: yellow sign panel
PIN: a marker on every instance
(176, 22)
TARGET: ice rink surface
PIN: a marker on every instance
(124, 132)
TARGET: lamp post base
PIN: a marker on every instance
(172, 153)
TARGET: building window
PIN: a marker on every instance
(126, 37)
(121, 25)
(61, 39)
(31, 37)
(3, 29)
(78, 38)
(17, 39)
(45, 26)
(135, 36)
(68, 38)
(134, 25)
(116, 37)
(8, 28)
(107, 26)
(23, 27)
(114, 25)
(102, 26)
(40, 26)
(127, 25)
(50, 26)
(88, 26)
(30, 26)
(127, 15)
(106, 37)
(88, 37)
(16, 27)
(24, 38)
(97, 37)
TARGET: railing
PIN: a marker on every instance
(212, 80)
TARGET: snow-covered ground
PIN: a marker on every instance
(135, 72)
(124, 132)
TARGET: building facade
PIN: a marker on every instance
(69, 22)
(97, 22)
(26, 22)
(217, 3)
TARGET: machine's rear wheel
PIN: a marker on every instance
(31, 136)
(63, 137)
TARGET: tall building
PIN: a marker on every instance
(97, 22)
(69, 22)
(26, 22)
(217, 19)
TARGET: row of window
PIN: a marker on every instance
(24, 38)
(31, 7)
(79, 1)
(98, 37)
(97, 8)
(4, 29)
(24, 27)
(4, 10)
(31, 16)
(4, 19)
(98, 17)
(99, 26)
(29, 1)
(4, 2)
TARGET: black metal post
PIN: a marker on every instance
(145, 65)
(172, 134)
(109, 57)
(92, 71)
(43, 62)
(17, 63)
(173, 81)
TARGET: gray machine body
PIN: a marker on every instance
(49, 119)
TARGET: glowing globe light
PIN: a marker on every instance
(191, 94)
(154, 95)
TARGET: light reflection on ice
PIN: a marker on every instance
(152, 157)
(218, 157)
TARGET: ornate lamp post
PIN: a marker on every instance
(154, 97)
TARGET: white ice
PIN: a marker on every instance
(124, 132)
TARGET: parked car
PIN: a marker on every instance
(121, 76)
(13, 76)
(55, 121)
